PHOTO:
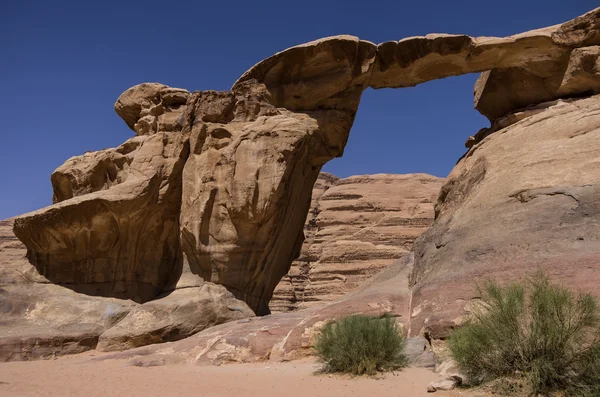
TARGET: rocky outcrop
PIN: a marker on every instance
(246, 189)
(41, 320)
(120, 240)
(215, 187)
(221, 181)
(525, 197)
(356, 227)
(288, 336)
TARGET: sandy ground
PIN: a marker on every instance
(82, 376)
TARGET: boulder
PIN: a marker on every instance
(94, 171)
(445, 384)
(177, 315)
(419, 353)
(583, 73)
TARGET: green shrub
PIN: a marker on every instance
(360, 345)
(536, 331)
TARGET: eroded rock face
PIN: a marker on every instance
(122, 240)
(40, 320)
(246, 193)
(215, 187)
(151, 107)
(525, 197)
(356, 227)
(329, 73)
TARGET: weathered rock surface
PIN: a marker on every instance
(181, 313)
(121, 241)
(356, 226)
(582, 31)
(216, 185)
(583, 72)
(571, 70)
(246, 189)
(329, 73)
(286, 336)
(523, 198)
(41, 320)
(501, 91)
(418, 352)
(151, 107)
(444, 384)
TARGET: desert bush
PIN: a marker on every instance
(536, 331)
(360, 345)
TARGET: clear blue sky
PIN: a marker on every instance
(64, 63)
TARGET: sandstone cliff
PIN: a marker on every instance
(356, 226)
(525, 197)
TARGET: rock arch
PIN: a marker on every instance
(218, 184)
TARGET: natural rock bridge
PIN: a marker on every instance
(217, 185)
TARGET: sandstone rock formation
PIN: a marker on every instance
(525, 197)
(41, 320)
(356, 226)
(120, 240)
(180, 313)
(288, 336)
(215, 187)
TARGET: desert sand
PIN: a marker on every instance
(87, 375)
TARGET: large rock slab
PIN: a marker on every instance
(356, 227)
(119, 242)
(328, 73)
(40, 320)
(415, 60)
(177, 315)
(582, 31)
(525, 197)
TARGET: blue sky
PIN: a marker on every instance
(64, 63)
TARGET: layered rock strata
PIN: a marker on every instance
(356, 226)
